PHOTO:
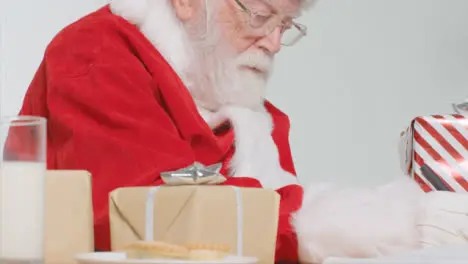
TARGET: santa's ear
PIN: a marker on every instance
(184, 9)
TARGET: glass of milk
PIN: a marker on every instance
(22, 189)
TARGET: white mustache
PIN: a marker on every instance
(255, 59)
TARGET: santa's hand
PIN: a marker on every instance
(392, 219)
(443, 219)
(352, 222)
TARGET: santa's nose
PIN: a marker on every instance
(271, 43)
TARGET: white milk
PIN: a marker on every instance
(22, 195)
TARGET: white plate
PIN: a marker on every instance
(121, 258)
(451, 254)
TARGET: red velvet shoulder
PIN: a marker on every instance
(98, 38)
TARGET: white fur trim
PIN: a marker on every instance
(212, 119)
(157, 21)
(444, 219)
(256, 153)
(355, 222)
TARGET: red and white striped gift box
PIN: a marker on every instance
(439, 142)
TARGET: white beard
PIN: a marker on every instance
(218, 76)
(224, 83)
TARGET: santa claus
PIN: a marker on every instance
(140, 87)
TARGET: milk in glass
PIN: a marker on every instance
(22, 194)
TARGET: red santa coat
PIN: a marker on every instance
(116, 108)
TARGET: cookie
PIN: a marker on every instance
(214, 247)
(155, 250)
(207, 252)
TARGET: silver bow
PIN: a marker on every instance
(461, 108)
(194, 174)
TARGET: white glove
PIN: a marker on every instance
(358, 222)
(385, 221)
(443, 219)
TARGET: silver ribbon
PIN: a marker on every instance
(149, 214)
(196, 174)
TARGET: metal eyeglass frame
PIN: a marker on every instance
(301, 28)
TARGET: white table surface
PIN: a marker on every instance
(437, 255)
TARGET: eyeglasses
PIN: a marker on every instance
(263, 23)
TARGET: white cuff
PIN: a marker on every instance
(444, 219)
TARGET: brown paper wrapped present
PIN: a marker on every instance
(246, 219)
(69, 216)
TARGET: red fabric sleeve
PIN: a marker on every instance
(286, 245)
(104, 117)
